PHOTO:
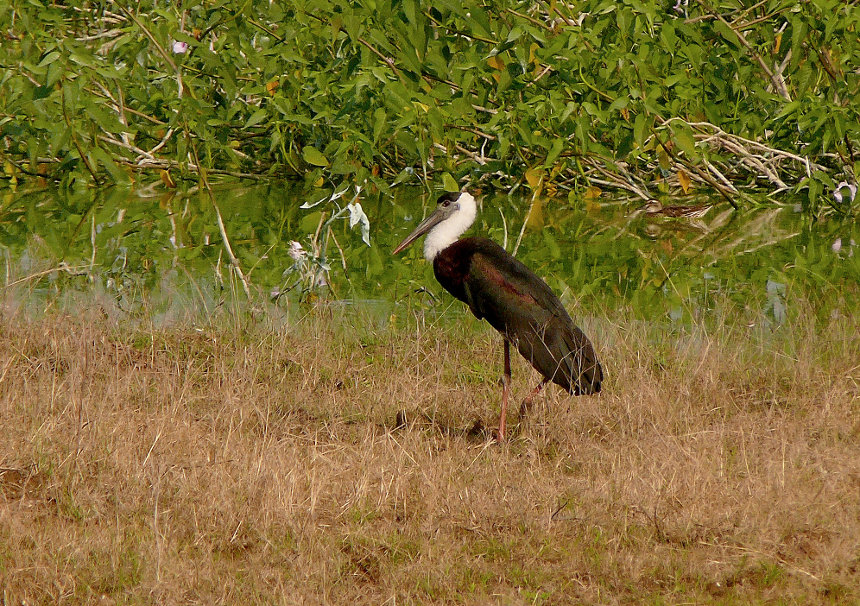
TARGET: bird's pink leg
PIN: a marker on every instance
(527, 403)
(506, 385)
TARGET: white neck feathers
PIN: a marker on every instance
(446, 233)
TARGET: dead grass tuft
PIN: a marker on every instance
(315, 462)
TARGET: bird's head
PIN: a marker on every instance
(454, 214)
(653, 208)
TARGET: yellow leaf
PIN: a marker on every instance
(167, 179)
(777, 42)
(496, 62)
(319, 182)
(534, 219)
(532, 50)
(684, 180)
(272, 86)
(534, 176)
(592, 192)
(662, 158)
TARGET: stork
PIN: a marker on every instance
(516, 302)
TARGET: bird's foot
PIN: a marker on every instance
(526, 406)
(499, 434)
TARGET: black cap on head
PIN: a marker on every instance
(450, 196)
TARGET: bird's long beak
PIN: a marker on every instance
(423, 227)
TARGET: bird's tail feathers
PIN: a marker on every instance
(580, 362)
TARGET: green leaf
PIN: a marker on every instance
(684, 139)
(788, 109)
(515, 34)
(814, 191)
(554, 152)
(313, 156)
(727, 33)
(551, 244)
(619, 103)
(352, 25)
(257, 117)
(449, 184)
(640, 129)
(116, 173)
(49, 58)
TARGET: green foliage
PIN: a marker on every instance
(166, 255)
(735, 94)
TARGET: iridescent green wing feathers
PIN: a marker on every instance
(521, 306)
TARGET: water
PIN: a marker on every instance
(156, 251)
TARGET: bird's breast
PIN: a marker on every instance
(451, 267)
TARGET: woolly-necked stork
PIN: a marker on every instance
(516, 302)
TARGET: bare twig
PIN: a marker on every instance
(204, 181)
(387, 60)
(615, 180)
(530, 19)
(74, 138)
(473, 130)
(73, 270)
(457, 32)
(691, 167)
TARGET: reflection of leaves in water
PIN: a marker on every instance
(591, 256)
(775, 305)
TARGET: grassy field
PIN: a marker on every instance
(315, 462)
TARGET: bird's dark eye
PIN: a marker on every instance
(446, 203)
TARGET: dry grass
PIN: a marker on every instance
(266, 464)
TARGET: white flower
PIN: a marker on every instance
(296, 251)
(852, 191)
(837, 245)
(681, 6)
(179, 48)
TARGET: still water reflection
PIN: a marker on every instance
(165, 249)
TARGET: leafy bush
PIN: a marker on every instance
(735, 95)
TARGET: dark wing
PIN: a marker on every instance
(521, 306)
